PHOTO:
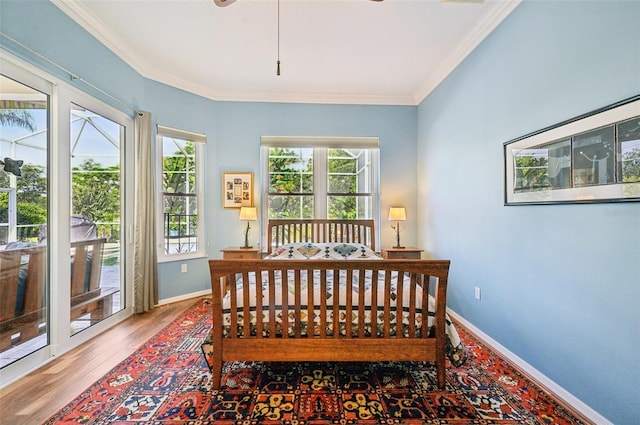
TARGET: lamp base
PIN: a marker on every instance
(246, 247)
(399, 247)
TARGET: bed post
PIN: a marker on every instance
(440, 327)
(218, 285)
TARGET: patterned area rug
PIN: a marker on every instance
(167, 381)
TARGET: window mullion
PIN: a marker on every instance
(320, 178)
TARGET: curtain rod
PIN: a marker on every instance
(73, 76)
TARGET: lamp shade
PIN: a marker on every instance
(248, 213)
(397, 214)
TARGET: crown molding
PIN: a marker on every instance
(94, 26)
(83, 17)
(490, 21)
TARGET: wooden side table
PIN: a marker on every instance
(408, 253)
(236, 253)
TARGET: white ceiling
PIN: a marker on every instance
(392, 52)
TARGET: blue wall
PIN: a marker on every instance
(561, 283)
(233, 144)
(233, 129)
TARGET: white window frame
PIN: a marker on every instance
(321, 145)
(199, 141)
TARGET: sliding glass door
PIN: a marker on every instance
(95, 221)
(65, 217)
(24, 194)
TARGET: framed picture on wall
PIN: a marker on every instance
(237, 190)
(591, 158)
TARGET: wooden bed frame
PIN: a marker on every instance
(270, 344)
(318, 230)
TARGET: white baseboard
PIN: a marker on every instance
(184, 297)
(556, 389)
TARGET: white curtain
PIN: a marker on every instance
(145, 279)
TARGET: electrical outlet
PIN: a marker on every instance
(477, 294)
(183, 268)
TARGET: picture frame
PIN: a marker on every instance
(237, 189)
(594, 157)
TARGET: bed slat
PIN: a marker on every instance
(399, 295)
(349, 305)
(284, 231)
(361, 304)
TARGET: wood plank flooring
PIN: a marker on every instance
(34, 398)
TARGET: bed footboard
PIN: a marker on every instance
(319, 310)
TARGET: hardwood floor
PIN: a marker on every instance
(34, 398)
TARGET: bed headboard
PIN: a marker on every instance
(282, 231)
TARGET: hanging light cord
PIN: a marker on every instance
(278, 63)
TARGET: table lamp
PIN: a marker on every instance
(397, 214)
(248, 214)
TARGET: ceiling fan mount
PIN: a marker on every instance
(223, 3)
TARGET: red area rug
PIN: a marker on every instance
(167, 381)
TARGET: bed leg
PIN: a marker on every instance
(440, 372)
(216, 371)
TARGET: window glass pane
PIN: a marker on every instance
(349, 207)
(180, 195)
(179, 167)
(23, 219)
(96, 198)
(290, 170)
(349, 171)
(290, 206)
(629, 142)
(342, 171)
(180, 223)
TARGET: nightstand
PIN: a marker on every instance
(408, 253)
(235, 253)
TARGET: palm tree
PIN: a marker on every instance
(17, 117)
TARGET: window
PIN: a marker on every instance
(307, 177)
(181, 198)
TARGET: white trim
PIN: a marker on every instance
(550, 385)
(87, 20)
(203, 293)
(297, 97)
(200, 153)
(94, 26)
(181, 134)
(490, 21)
(320, 142)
